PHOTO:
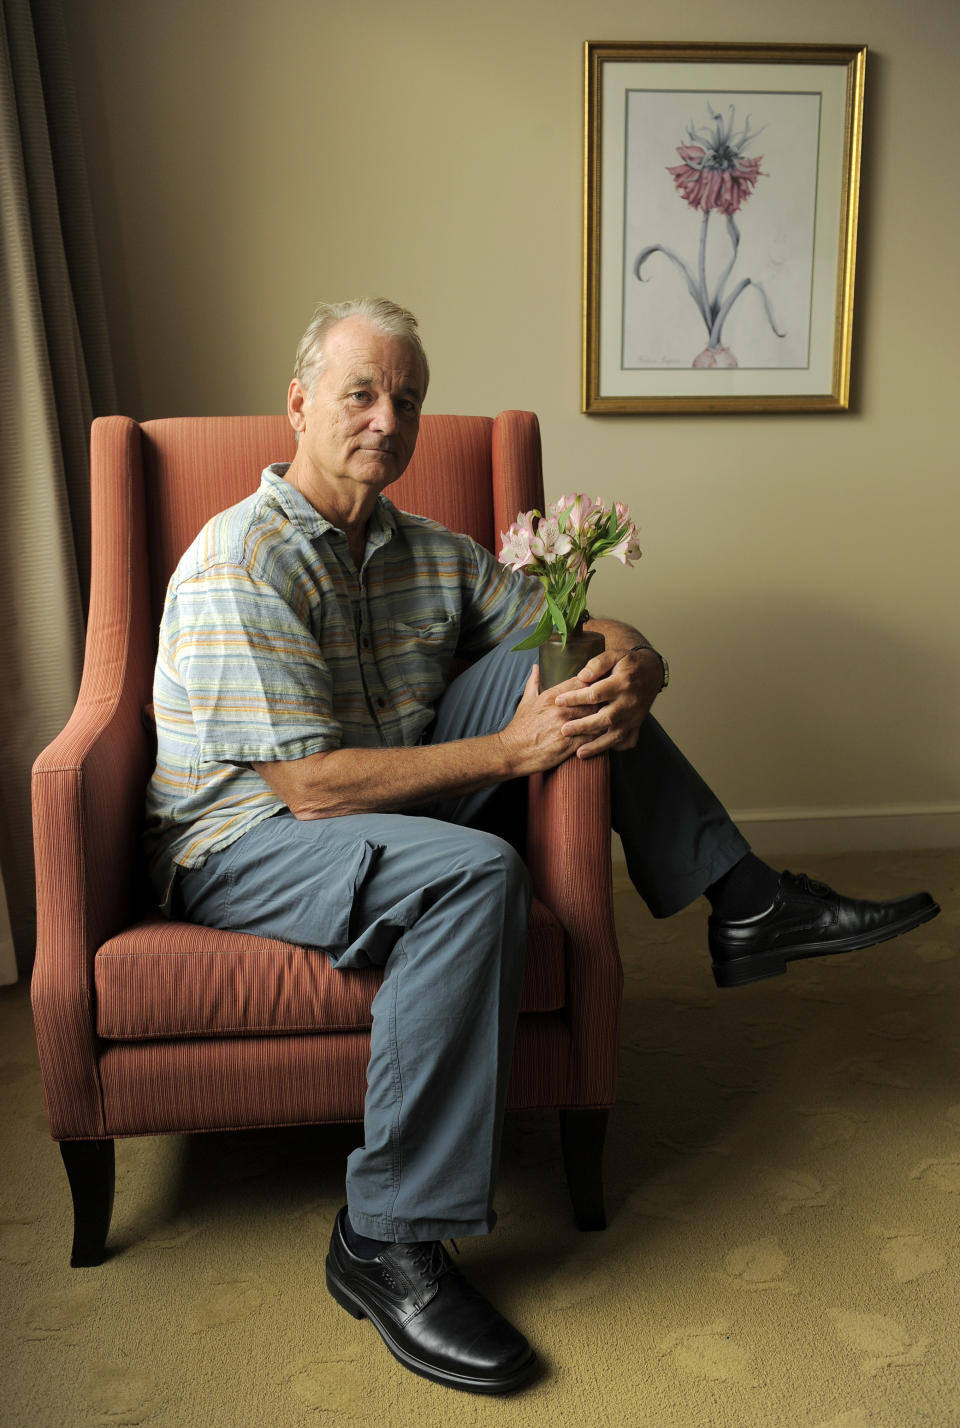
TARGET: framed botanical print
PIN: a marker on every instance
(721, 187)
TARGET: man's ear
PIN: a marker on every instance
(296, 405)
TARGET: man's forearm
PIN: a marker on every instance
(385, 780)
(543, 732)
(617, 635)
(540, 735)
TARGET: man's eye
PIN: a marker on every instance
(359, 396)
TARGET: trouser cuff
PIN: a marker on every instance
(383, 1227)
(672, 896)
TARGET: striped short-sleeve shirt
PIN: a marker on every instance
(273, 645)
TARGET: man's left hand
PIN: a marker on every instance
(618, 688)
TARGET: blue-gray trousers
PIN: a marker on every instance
(441, 905)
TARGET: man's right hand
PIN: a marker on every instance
(534, 739)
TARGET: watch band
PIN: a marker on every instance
(660, 657)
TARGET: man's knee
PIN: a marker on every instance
(484, 859)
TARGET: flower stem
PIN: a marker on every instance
(733, 233)
(707, 308)
(716, 335)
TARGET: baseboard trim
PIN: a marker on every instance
(844, 830)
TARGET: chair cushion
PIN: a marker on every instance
(175, 979)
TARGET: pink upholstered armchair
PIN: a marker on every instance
(146, 1026)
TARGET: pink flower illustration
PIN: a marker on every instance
(714, 177)
(714, 180)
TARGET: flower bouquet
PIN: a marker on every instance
(561, 548)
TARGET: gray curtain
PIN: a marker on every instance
(56, 375)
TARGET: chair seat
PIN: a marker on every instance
(163, 979)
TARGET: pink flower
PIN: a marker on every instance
(714, 174)
(581, 510)
(627, 549)
(577, 565)
(561, 549)
(549, 543)
(515, 550)
(707, 187)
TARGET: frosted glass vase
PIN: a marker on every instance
(558, 663)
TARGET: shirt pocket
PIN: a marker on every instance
(423, 653)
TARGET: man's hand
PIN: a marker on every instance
(616, 690)
(542, 733)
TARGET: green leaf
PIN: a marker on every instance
(559, 619)
(540, 635)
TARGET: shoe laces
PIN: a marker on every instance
(802, 883)
(431, 1260)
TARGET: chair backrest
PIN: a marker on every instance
(464, 473)
(153, 486)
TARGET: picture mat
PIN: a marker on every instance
(678, 83)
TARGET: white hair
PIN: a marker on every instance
(388, 316)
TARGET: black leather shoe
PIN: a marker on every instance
(807, 919)
(429, 1317)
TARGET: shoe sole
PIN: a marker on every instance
(758, 966)
(466, 1383)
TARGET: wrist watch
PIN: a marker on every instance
(660, 657)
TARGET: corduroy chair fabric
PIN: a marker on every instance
(146, 1026)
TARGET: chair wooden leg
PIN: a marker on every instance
(90, 1170)
(582, 1134)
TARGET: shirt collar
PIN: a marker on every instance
(298, 509)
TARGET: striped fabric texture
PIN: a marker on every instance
(229, 1083)
(157, 980)
(274, 646)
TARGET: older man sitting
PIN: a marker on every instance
(318, 781)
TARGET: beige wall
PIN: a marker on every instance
(248, 158)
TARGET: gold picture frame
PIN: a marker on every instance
(721, 196)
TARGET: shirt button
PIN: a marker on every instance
(365, 642)
(381, 702)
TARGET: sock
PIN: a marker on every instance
(745, 891)
(359, 1244)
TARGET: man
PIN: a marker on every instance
(318, 781)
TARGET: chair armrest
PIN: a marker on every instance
(569, 857)
(85, 843)
(87, 790)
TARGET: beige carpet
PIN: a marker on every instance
(784, 1247)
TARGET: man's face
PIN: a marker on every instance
(358, 427)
